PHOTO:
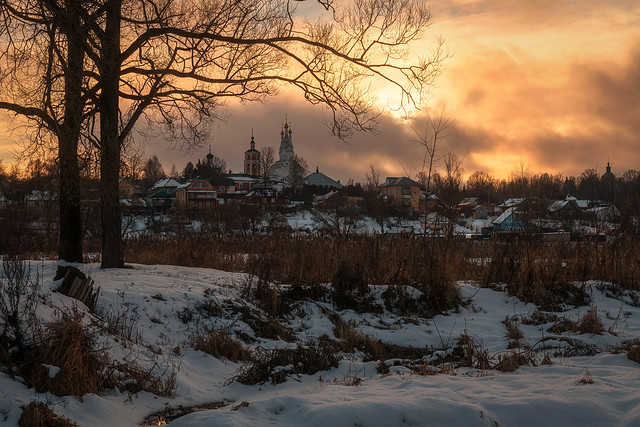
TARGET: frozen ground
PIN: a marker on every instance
(354, 393)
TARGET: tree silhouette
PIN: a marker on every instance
(175, 62)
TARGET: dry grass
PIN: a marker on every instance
(510, 362)
(67, 345)
(591, 323)
(586, 378)
(83, 368)
(634, 353)
(547, 274)
(351, 339)
(40, 415)
(275, 365)
(136, 379)
(220, 344)
(513, 330)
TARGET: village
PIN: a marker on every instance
(397, 205)
(282, 191)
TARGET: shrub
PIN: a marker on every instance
(67, 345)
(40, 415)
(634, 353)
(219, 343)
(513, 331)
(590, 323)
(349, 285)
(135, 379)
(510, 362)
(275, 364)
(350, 339)
(18, 302)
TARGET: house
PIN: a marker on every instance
(480, 212)
(566, 209)
(266, 197)
(338, 201)
(196, 194)
(319, 179)
(223, 184)
(582, 204)
(428, 201)
(160, 201)
(403, 192)
(40, 199)
(511, 203)
(509, 220)
(242, 182)
(161, 195)
(128, 189)
(604, 212)
(437, 224)
(467, 205)
(166, 185)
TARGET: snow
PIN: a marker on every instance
(354, 393)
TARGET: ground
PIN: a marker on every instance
(589, 381)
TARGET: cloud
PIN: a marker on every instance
(557, 117)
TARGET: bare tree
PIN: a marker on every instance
(174, 172)
(481, 184)
(153, 170)
(298, 169)
(47, 39)
(372, 178)
(131, 163)
(435, 129)
(450, 183)
(267, 159)
(175, 62)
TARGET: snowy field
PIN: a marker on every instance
(585, 380)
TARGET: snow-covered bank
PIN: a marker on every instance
(158, 299)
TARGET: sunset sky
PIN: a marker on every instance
(553, 83)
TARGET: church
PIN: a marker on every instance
(252, 159)
(286, 172)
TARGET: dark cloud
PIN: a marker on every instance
(390, 149)
(555, 117)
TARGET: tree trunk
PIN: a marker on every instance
(70, 248)
(110, 138)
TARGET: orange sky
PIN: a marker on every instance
(553, 83)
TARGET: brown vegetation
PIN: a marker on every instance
(219, 343)
(548, 274)
(40, 415)
(275, 364)
(67, 345)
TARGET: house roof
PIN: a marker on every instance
(325, 197)
(469, 202)
(242, 178)
(190, 181)
(582, 204)
(513, 202)
(401, 181)
(166, 183)
(321, 180)
(558, 205)
(504, 215)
